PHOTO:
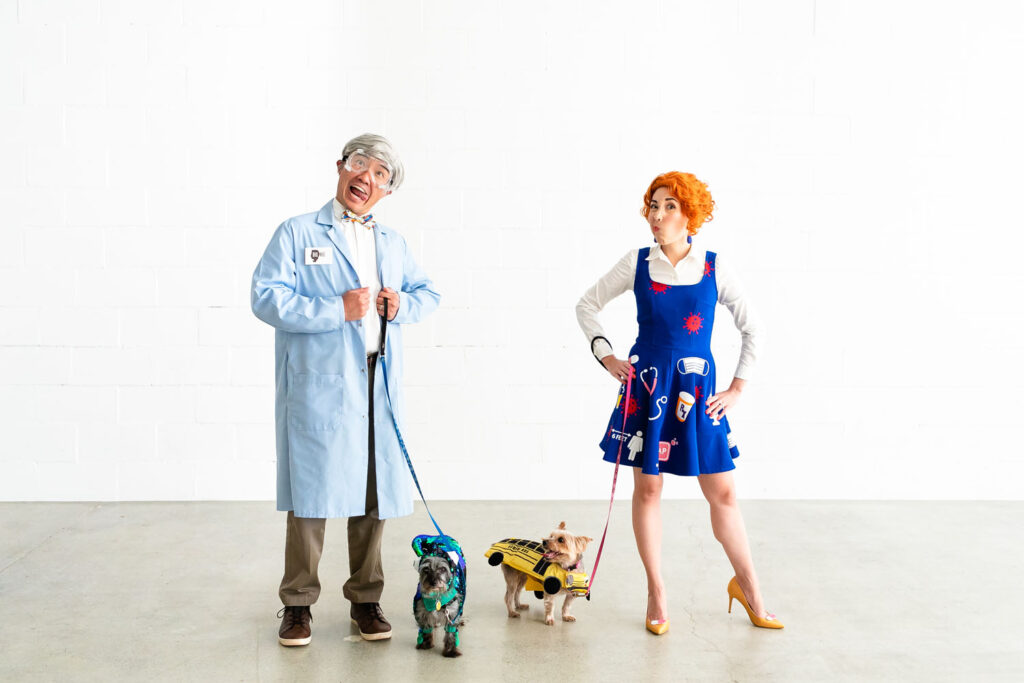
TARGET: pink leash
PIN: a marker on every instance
(615, 478)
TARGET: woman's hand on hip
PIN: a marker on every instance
(721, 402)
(619, 369)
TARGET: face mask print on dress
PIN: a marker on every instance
(693, 365)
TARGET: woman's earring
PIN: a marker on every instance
(689, 239)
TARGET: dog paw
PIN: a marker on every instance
(454, 652)
(513, 615)
(568, 617)
(550, 621)
(522, 607)
(424, 646)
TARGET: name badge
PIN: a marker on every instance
(319, 256)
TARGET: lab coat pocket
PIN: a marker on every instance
(314, 402)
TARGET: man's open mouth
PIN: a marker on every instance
(359, 192)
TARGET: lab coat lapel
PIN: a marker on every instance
(326, 218)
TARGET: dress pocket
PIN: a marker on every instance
(315, 402)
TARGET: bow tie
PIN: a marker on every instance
(366, 221)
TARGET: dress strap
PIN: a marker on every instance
(643, 270)
(710, 266)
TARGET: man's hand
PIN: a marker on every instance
(357, 303)
(393, 302)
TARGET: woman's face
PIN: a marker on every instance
(666, 218)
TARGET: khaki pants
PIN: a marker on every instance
(304, 542)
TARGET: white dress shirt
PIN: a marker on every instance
(688, 271)
(363, 245)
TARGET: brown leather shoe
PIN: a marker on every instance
(295, 626)
(370, 620)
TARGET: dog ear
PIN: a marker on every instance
(582, 542)
(561, 525)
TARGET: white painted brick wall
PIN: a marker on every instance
(864, 158)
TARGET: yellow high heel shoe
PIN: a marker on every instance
(737, 593)
(657, 626)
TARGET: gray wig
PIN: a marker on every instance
(377, 146)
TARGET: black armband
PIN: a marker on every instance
(592, 348)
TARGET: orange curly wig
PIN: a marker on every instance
(693, 194)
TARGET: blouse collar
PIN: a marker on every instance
(696, 253)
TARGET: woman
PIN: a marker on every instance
(675, 420)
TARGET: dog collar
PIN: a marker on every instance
(578, 565)
(433, 602)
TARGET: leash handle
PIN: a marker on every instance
(394, 418)
(615, 479)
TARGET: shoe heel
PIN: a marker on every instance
(730, 604)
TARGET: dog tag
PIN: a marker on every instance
(438, 606)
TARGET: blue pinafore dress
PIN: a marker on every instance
(667, 428)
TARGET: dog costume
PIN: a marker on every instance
(448, 548)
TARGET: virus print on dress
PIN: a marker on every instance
(708, 268)
(698, 393)
(658, 287)
(633, 407)
(693, 323)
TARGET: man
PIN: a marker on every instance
(322, 283)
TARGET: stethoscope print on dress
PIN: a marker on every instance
(654, 381)
(659, 402)
(662, 400)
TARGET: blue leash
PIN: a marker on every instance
(394, 418)
(441, 545)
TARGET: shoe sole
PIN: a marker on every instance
(372, 636)
(294, 642)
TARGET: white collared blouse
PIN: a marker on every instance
(688, 271)
(364, 250)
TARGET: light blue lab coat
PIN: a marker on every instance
(321, 410)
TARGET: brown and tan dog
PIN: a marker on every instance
(561, 547)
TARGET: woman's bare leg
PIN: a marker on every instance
(727, 523)
(647, 529)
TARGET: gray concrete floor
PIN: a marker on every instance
(869, 591)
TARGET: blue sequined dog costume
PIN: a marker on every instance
(448, 548)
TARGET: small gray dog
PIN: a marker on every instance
(437, 603)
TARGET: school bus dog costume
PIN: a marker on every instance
(547, 568)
